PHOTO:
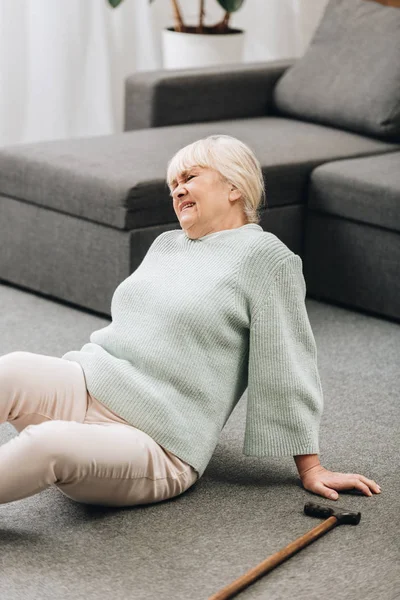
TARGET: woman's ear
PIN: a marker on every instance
(234, 194)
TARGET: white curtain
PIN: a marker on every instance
(63, 62)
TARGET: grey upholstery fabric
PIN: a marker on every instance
(160, 98)
(365, 190)
(349, 76)
(62, 256)
(352, 263)
(119, 180)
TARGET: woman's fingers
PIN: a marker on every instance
(361, 483)
(328, 483)
(372, 484)
(345, 484)
(324, 491)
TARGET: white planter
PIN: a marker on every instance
(192, 50)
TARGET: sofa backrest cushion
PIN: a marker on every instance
(349, 77)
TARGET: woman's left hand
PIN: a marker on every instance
(326, 483)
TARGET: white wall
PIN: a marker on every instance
(63, 64)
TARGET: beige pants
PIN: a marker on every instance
(69, 440)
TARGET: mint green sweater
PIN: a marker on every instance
(197, 323)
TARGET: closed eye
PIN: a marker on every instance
(186, 178)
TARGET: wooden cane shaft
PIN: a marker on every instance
(267, 565)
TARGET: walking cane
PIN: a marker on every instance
(334, 516)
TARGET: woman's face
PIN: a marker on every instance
(216, 205)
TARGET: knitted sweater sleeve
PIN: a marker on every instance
(284, 395)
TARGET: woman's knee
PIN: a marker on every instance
(13, 360)
(11, 368)
(52, 441)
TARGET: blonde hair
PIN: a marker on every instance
(233, 160)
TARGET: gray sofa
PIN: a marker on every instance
(77, 216)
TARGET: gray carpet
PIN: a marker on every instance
(242, 510)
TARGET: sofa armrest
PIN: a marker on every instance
(172, 97)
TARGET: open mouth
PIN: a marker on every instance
(187, 207)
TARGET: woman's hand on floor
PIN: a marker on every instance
(327, 483)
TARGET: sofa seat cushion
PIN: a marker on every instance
(119, 180)
(349, 77)
(366, 190)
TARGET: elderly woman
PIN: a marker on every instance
(214, 308)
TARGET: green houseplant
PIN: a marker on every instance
(198, 45)
(229, 6)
